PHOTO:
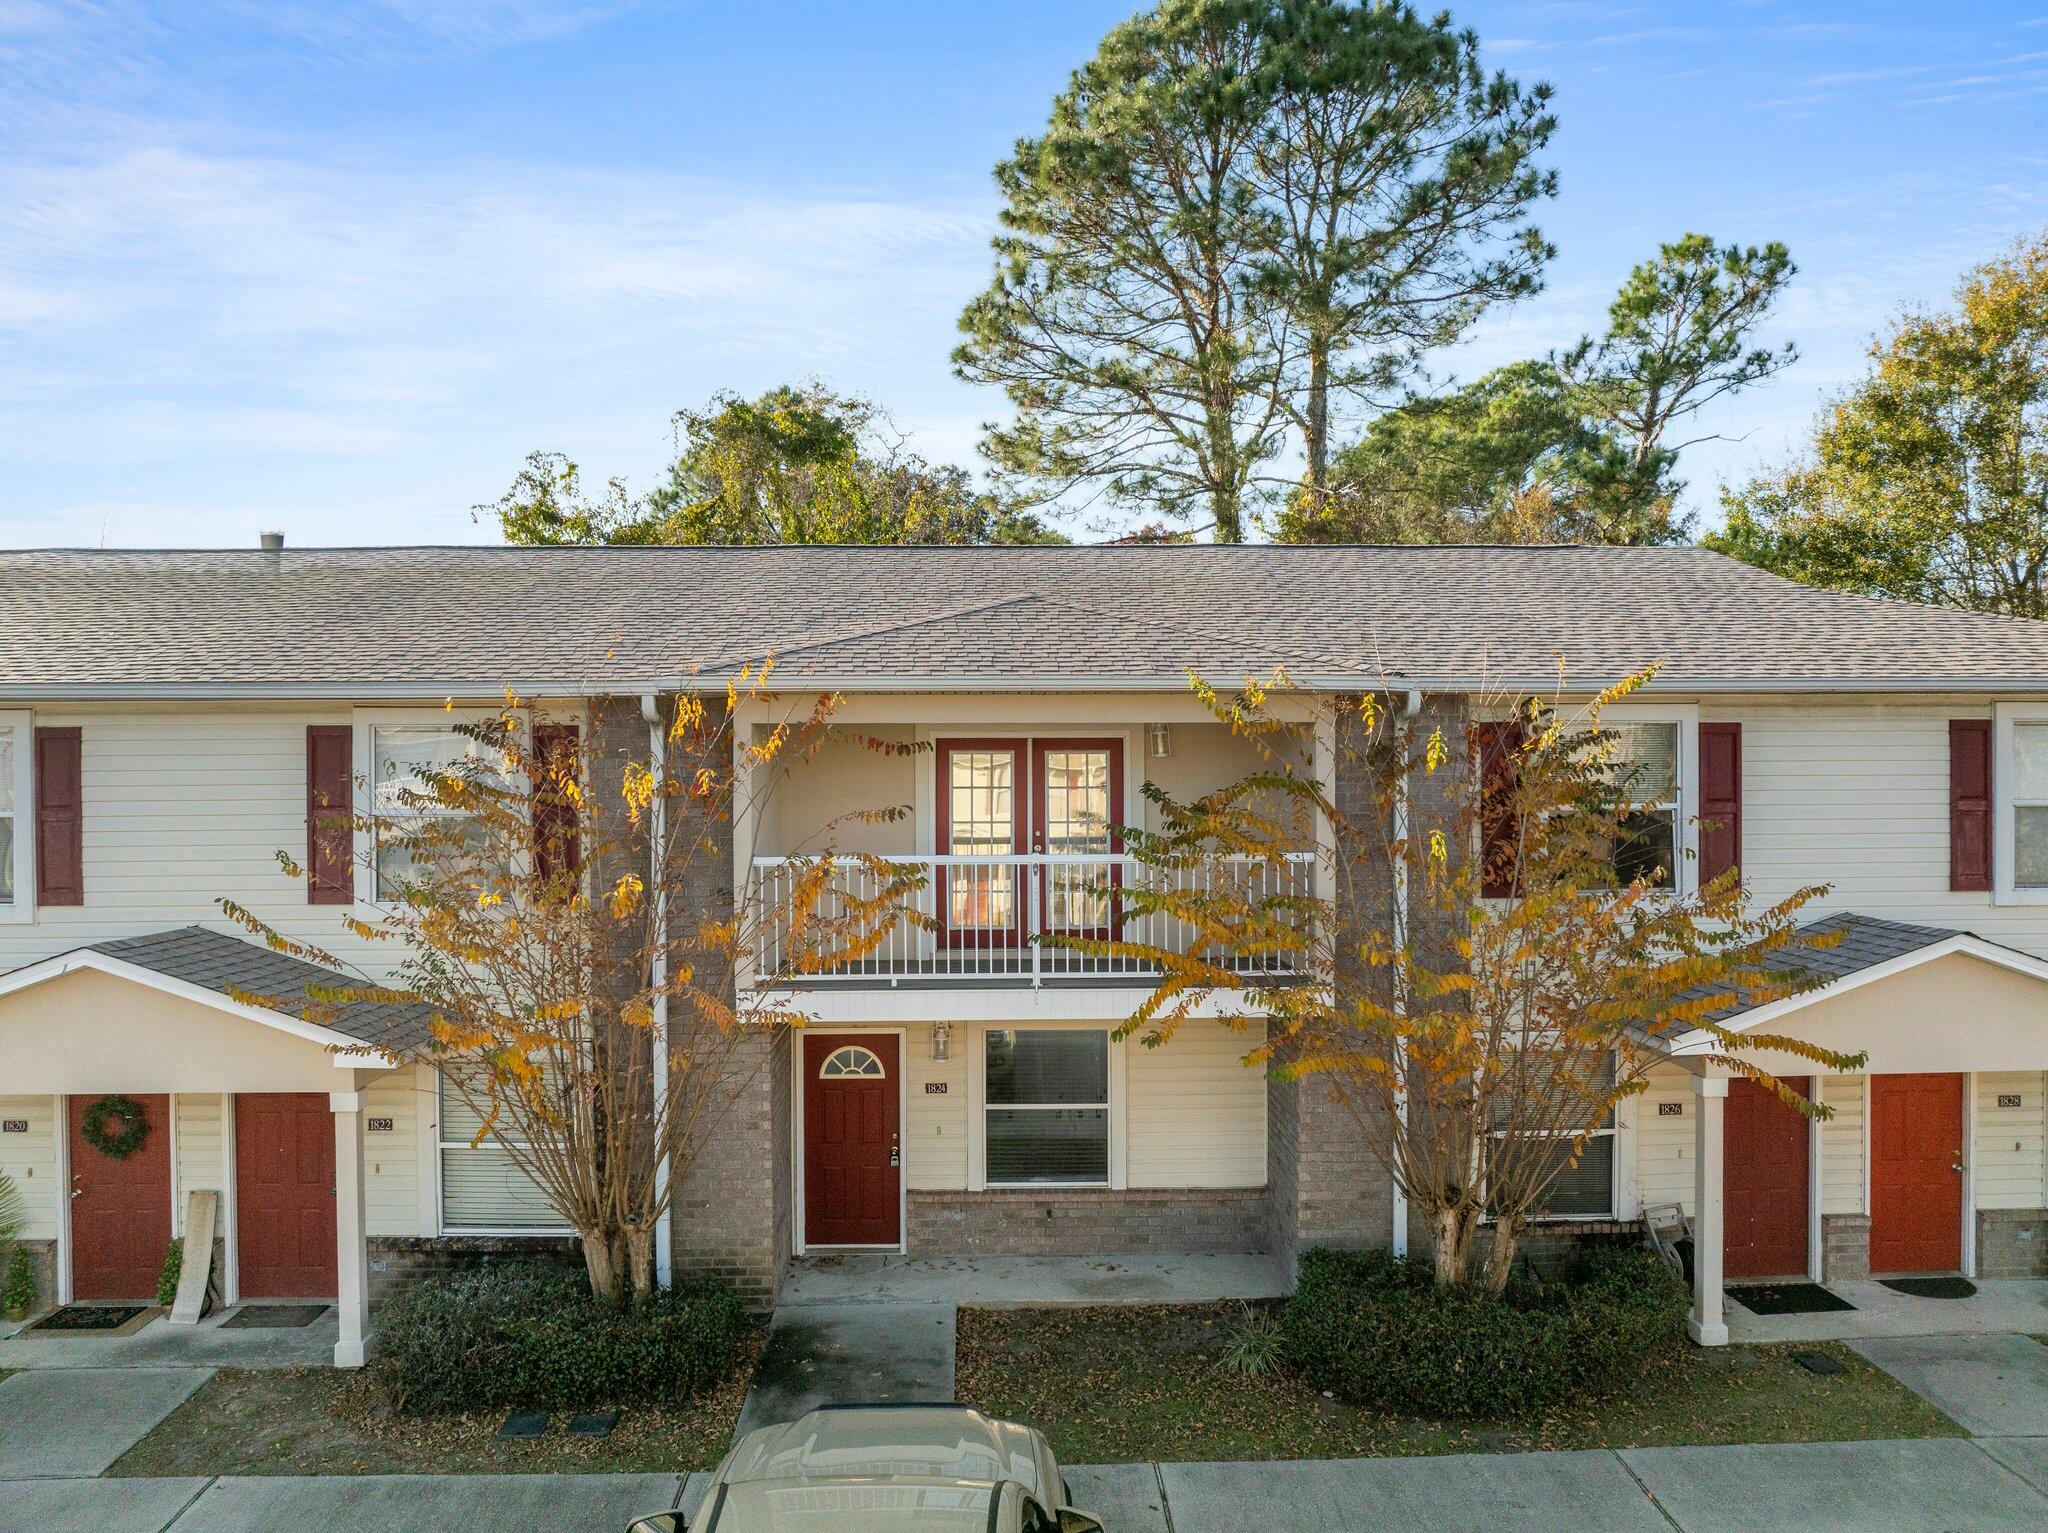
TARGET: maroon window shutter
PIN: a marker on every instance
(330, 815)
(1720, 799)
(60, 817)
(556, 843)
(1500, 743)
(1969, 805)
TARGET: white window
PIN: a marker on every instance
(1045, 1107)
(2019, 785)
(1584, 1186)
(483, 1191)
(1657, 756)
(17, 820)
(397, 755)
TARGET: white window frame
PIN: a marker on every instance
(367, 722)
(22, 908)
(2004, 822)
(1611, 1133)
(1685, 876)
(442, 1144)
(979, 1107)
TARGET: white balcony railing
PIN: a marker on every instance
(985, 918)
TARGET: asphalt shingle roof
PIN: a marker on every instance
(218, 961)
(341, 621)
(1866, 942)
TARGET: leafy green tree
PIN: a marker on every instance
(1241, 211)
(797, 465)
(1400, 177)
(1578, 447)
(1121, 321)
(1927, 480)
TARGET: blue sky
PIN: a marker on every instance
(336, 268)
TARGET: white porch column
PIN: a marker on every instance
(1706, 1326)
(352, 1256)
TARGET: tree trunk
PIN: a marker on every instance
(1500, 1260)
(1316, 433)
(640, 1260)
(600, 1264)
(1452, 1243)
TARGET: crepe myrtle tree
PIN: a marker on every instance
(1502, 957)
(527, 897)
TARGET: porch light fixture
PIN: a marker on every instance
(1162, 739)
(942, 1041)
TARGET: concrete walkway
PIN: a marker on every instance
(1990, 1386)
(209, 1344)
(2014, 1305)
(76, 1421)
(1988, 1485)
(851, 1354)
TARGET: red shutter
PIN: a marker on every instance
(60, 818)
(1720, 799)
(1969, 804)
(557, 847)
(1500, 744)
(330, 814)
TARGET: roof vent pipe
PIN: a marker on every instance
(270, 542)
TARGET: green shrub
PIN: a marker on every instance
(167, 1279)
(18, 1297)
(531, 1337)
(1377, 1331)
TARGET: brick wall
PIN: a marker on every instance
(1283, 1181)
(1088, 1222)
(1844, 1247)
(399, 1261)
(2012, 1242)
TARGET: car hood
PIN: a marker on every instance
(879, 1506)
(911, 1443)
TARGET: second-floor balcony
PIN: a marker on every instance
(1011, 919)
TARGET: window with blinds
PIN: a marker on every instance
(1584, 1188)
(1046, 1106)
(481, 1188)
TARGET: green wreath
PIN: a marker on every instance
(114, 1126)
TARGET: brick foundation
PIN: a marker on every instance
(1844, 1247)
(2012, 1242)
(399, 1261)
(1055, 1222)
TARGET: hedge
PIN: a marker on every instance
(531, 1337)
(1377, 1331)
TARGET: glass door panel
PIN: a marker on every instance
(981, 799)
(1078, 793)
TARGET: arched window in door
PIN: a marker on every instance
(851, 1063)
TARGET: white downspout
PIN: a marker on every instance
(657, 978)
(1411, 705)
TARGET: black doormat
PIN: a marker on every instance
(77, 1319)
(1787, 1299)
(1932, 1287)
(273, 1317)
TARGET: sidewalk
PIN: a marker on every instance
(1969, 1485)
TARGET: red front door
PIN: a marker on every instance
(1916, 1173)
(852, 1150)
(120, 1209)
(284, 1196)
(1764, 1183)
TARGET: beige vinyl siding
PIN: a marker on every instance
(391, 1160)
(1664, 1145)
(30, 1161)
(935, 1138)
(1841, 1145)
(1855, 795)
(183, 807)
(1194, 1113)
(2009, 1170)
(201, 1144)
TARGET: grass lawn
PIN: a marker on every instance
(1135, 1384)
(323, 1421)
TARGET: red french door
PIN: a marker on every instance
(1006, 797)
(1077, 789)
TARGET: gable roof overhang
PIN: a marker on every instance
(348, 1053)
(1939, 945)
